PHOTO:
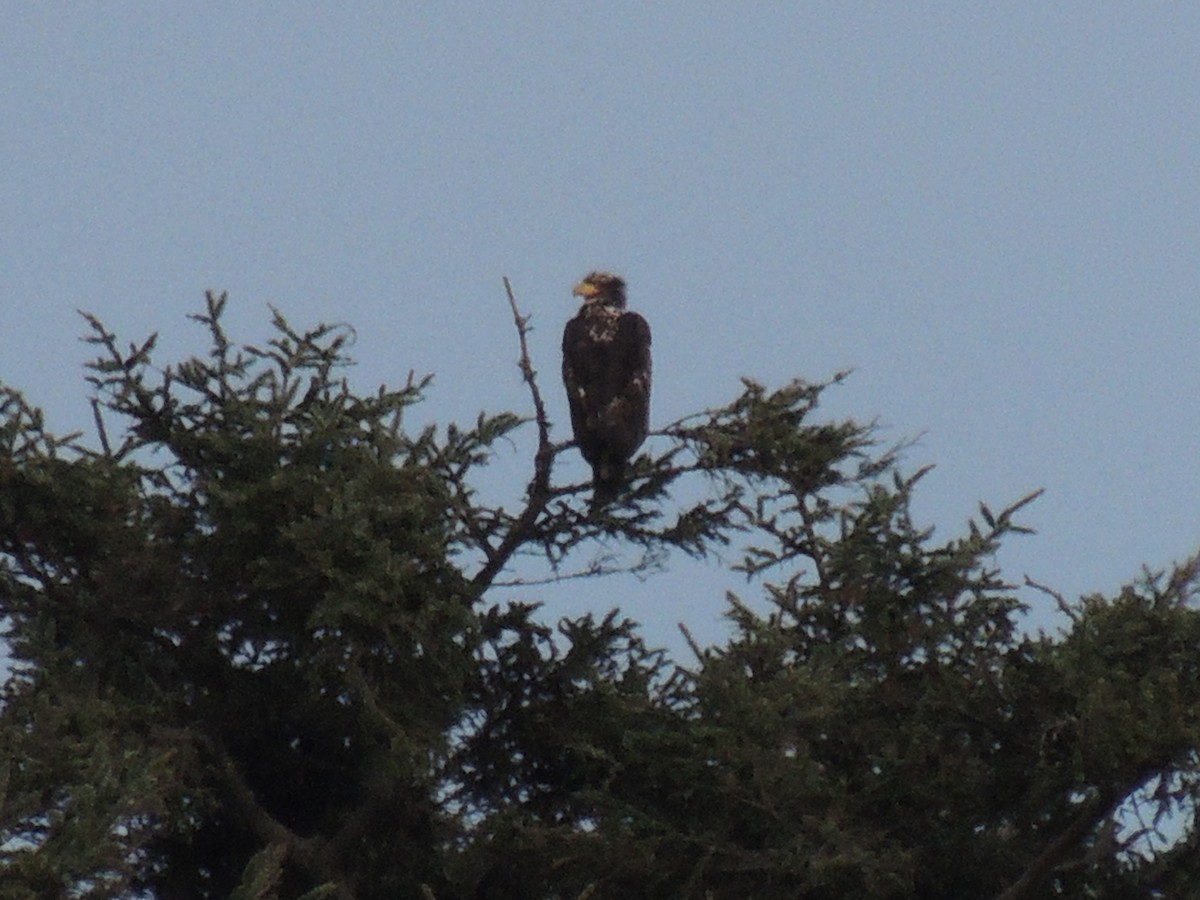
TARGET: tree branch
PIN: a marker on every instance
(538, 493)
(308, 855)
(1038, 870)
(1095, 813)
(527, 371)
(100, 429)
(1060, 601)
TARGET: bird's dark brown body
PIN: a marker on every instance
(606, 370)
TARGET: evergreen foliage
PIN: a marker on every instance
(260, 651)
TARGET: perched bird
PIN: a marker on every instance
(606, 368)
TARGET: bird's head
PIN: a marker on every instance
(601, 288)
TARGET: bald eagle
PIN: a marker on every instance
(606, 368)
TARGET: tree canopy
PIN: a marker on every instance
(259, 650)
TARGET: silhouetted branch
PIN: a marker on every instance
(591, 571)
(1059, 599)
(100, 429)
(528, 373)
(538, 494)
(1050, 858)
(1054, 857)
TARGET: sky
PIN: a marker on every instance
(990, 212)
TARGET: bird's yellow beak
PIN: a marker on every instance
(586, 290)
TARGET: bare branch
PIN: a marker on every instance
(1063, 606)
(527, 370)
(591, 571)
(538, 493)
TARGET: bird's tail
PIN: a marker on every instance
(607, 480)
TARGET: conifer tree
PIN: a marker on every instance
(259, 650)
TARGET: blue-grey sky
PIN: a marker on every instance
(990, 211)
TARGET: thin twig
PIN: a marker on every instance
(1058, 599)
(589, 572)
